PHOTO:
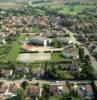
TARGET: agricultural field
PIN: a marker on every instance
(69, 9)
(7, 5)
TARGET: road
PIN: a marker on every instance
(93, 60)
(41, 82)
(20, 81)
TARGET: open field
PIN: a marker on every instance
(14, 52)
(38, 57)
(33, 57)
(70, 9)
(6, 5)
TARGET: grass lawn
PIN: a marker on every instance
(12, 55)
(58, 57)
(75, 98)
(55, 97)
(68, 75)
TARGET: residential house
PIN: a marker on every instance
(5, 72)
(81, 37)
(61, 34)
(95, 82)
(69, 67)
(24, 70)
(2, 98)
(9, 90)
(91, 46)
(33, 91)
(13, 88)
(89, 90)
(40, 21)
(58, 89)
(3, 88)
(38, 73)
(94, 52)
(58, 28)
(65, 40)
(71, 52)
(84, 91)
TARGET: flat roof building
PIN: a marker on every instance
(40, 41)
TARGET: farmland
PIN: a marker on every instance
(6, 5)
(70, 9)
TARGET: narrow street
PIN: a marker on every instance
(93, 60)
(41, 82)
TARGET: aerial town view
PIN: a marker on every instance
(48, 49)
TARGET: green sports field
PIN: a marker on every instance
(12, 55)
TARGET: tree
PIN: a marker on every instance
(29, 75)
(46, 93)
(20, 95)
(1, 84)
(71, 9)
(81, 54)
(94, 87)
(51, 72)
(56, 44)
(88, 60)
(24, 84)
(12, 66)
